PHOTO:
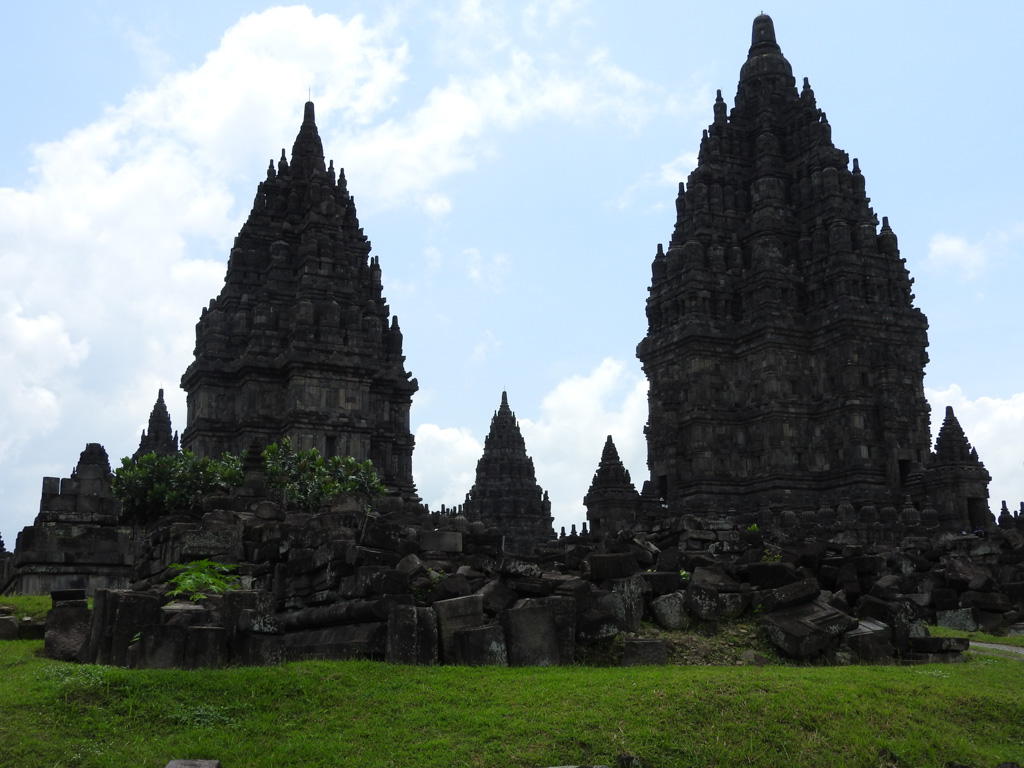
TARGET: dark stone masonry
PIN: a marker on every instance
(784, 351)
(792, 475)
(505, 495)
(301, 343)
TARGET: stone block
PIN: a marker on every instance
(795, 593)
(661, 582)
(957, 618)
(205, 647)
(871, 640)
(960, 573)
(631, 591)
(715, 577)
(704, 603)
(161, 647)
(986, 601)
(441, 541)
(734, 603)
(252, 622)
(611, 566)
(596, 625)
(497, 596)
(771, 574)
(531, 637)
(564, 609)
(8, 628)
(260, 650)
(350, 641)
(481, 646)
(636, 653)
(513, 566)
(939, 644)
(804, 630)
(412, 636)
(455, 614)
(67, 632)
(670, 611)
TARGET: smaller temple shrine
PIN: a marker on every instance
(505, 495)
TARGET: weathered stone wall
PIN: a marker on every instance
(76, 541)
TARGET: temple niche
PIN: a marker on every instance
(506, 495)
(784, 351)
(300, 343)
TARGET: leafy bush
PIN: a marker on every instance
(152, 486)
(202, 578)
(307, 480)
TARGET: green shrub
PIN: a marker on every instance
(307, 480)
(152, 486)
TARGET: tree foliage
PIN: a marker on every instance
(152, 486)
(307, 480)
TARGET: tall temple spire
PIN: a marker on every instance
(506, 495)
(784, 353)
(158, 439)
(300, 342)
(308, 150)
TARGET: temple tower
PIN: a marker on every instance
(159, 438)
(506, 495)
(612, 501)
(300, 342)
(784, 351)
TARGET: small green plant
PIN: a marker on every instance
(683, 573)
(202, 578)
(752, 528)
(307, 480)
(770, 557)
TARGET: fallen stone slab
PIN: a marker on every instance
(871, 640)
(797, 592)
(804, 630)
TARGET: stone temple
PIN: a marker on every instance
(506, 496)
(299, 343)
(784, 352)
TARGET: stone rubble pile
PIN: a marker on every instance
(404, 586)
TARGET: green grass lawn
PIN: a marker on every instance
(372, 714)
(28, 606)
(981, 637)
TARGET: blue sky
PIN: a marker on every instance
(515, 167)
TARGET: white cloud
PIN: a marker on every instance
(993, 426)
(953, 253)
(491, 272)
(437, 205)
(538, 16)
(445, 464)
(576, 417)
(433, 257)
(485, 348)
(679, 169)
(36, 356)
(670, 174)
